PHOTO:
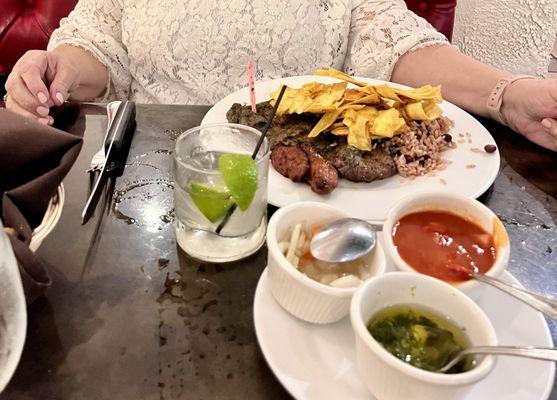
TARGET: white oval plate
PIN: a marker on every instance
(315, 362)
(372, 201)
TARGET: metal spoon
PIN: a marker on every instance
(546, 305)
(343, 240)
(539, 353)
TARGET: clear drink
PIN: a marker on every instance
(203, 201)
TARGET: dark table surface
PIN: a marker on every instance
(130, 316)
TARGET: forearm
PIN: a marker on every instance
(465, 81)
(93, 75)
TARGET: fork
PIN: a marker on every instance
(99, 159)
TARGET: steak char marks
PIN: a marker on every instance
(292, 130)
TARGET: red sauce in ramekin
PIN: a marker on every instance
(443, 245)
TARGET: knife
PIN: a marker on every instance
(117, 147)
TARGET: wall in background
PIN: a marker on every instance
(516, 35)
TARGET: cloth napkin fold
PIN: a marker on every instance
(34, 159)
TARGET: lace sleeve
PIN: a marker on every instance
(95, 25)
(380, 32)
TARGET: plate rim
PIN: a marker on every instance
(506, 274)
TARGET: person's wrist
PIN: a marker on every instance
(512, 98)
(66, 58)
(506, 88)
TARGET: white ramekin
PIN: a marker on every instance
(389, 378)
(468, 208)
(294, 291)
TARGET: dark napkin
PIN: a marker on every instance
(34, 159)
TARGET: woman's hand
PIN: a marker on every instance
(530, 107)
(38, 81)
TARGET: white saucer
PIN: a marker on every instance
(318, 361)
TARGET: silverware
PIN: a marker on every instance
(120, 135)
(343, 240)
(538, 353)
(99, 159)
(544, 304)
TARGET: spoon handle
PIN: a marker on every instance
(539, 353)
(546, 305)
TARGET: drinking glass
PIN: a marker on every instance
(203, 202)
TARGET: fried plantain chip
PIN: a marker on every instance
(358, 134)
(312, 97)
(330, 117)
(340, 131)
(387, 123)
(349, 117)
(426, 92)
(368, 113)
(325, 122)
(432, 110)
(335, 73)
(415, 111)
(387, 92)
(337, 124)
(352, 95)
(371, 99)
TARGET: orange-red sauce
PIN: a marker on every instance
(439, 244)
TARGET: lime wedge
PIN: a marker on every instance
(212, 201)
(240, 175)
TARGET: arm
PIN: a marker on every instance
(389, 42)
(92, 34)
(465, 81)
(529, 106)
(85, 59)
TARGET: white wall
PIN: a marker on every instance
(516, 35)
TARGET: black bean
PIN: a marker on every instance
(490, 148)
(448, 138)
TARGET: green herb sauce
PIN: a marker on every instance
(420, 337)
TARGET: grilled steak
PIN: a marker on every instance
(358, 166)
(292, 130)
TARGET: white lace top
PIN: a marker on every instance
(196, 51)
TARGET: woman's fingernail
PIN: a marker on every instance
(60, 97)
(546, 123)
(42, 98)
(43, 121)
(42, 111)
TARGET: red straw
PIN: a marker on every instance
(251, 78)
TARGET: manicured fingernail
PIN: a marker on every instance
(546, 123)
(42, 111)
(60, 97)
(43, 121)
(42, 98)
